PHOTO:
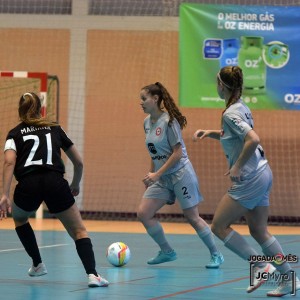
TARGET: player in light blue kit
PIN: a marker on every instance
(171, 174)
(251, 179)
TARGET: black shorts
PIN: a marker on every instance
(47, 186)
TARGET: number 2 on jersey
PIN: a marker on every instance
(35, 138)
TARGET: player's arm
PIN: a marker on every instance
(151, 166)
(77, 162)
(146, 179)
(173, 159)
(203, 133)
(10, 158)
(250, 144)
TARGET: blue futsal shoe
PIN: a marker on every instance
(215, 261)
(162, 257)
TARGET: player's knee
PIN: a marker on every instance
(194, 222)
(253, 231)
(217, 229)
(141, 215)
(213, 228)
(20, 221)
(259, 233)
(78, 233)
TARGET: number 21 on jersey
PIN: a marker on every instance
(36, 139)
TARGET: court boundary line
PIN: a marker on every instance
(204, 287)
(40, 247)
(199, 288)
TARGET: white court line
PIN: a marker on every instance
(19, 249)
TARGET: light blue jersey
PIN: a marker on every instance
(180, 181)
(237, 122)
(160, 138)
(253, 188)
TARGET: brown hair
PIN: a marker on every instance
(168, 102)
(30, 111)
(232, 78)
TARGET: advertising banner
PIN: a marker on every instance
(263, 40)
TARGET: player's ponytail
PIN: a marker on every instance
(232, 78)
(30, 111)
(166, 101)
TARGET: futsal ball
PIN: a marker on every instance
(118, 254)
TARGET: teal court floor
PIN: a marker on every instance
(186, 278)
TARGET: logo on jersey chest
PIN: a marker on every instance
(151, 148)
(158, 131)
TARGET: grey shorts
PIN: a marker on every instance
(254, 191)
(182, 185)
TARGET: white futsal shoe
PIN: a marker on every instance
(96, 281)
(37, 271)
(284, 288)
(268, 268)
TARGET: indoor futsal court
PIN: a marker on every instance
(88, 61)
(185, 278)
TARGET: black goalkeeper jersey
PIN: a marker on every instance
(38, 148)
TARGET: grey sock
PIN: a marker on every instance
(158, 235)
(236, 243)
(208, 239)
(271, 247)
